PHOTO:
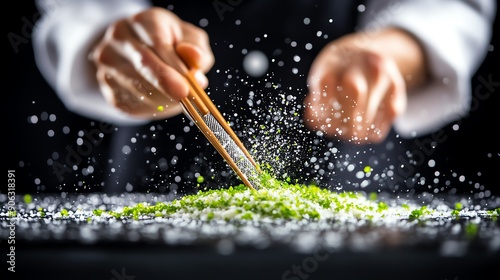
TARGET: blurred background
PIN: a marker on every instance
(38, 124)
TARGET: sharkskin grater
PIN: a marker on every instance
(200, 109)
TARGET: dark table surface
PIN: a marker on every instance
(163, 248)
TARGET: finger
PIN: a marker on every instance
(160, 31)
(196, 39)
(192, 55)
(321, 106)
(378, 85)
(352, 93)
(379, 128)
(390, 107)
(126, 75)
(124, 96)
(148, 64)
(392, 93)
(119, 97)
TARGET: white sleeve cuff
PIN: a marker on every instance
(61, 41)
(455, 36)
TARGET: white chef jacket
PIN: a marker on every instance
(455, 36)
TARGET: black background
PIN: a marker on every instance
(472, 151)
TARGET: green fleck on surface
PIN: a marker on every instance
(278, 200)
(417, 214)
(64, 212)
(41, 211)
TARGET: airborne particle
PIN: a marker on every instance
(367, 169)
(255, 63)
(203, 22)
(200, 179)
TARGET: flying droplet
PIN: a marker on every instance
(367, 169)
(255, 63)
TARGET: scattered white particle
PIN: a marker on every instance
(431, 163)
(237, 22)
(174, 159)
(225, 247)
(88, 235)
(33, 119)
(203, 22)
(255, 63)
(309, 46)
(296, 58)
(365, 183)
(456, 229)
(134, 236)
(51, 133)
(452, 248)
(126, 149)
(90, 169)
(361, 8)
(350, 167)
(66, 129)
(455, 127)
(305, 242)
(129, 187)
(307, 21)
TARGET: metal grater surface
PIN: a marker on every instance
(236, 154)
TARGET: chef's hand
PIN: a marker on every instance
(358, 84)
(136, 62)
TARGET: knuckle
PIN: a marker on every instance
(101, 54)
(376, 62)
(147, 15)
(117, 30)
